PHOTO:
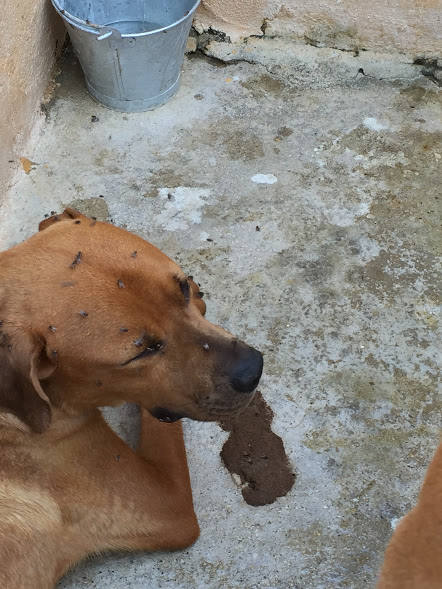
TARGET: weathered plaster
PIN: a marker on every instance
(237, 18)
(31, 36)
(405, 26)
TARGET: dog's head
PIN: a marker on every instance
(93, 315)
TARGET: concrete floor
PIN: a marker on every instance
(338, 288)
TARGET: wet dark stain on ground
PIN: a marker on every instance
(256, 454)
(244, 147)
(168, 176)
(264, 85)
(388, 276)
(408, 163)
(285, 131)
(92, 207)
(233, 138)
(416, 95)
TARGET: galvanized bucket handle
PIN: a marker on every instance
(106, 32)
(104, 35)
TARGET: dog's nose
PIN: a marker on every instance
(247, 370)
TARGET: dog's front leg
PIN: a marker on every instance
(167, 494)
(162, 445)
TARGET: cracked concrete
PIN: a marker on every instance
(405, 27)
(308, 66)
(332, 271)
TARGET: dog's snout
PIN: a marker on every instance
(247, 370)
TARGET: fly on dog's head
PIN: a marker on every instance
(127, 317)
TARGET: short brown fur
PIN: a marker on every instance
(69, 333)
(413, 559)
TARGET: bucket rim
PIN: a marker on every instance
(98, 30)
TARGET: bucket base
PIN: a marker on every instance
(134, 105)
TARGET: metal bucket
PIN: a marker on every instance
(131, 51)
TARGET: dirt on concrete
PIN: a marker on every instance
(338, 289)
(256, 454)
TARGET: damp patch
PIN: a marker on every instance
(255, 456)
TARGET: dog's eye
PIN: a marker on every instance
(156, 347)
(153, 348)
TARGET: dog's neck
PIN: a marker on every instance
(63, 424)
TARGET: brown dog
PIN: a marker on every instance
(413, 559)
(91, 315)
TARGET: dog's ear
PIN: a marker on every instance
(198, 295)
(23, 363)
(67, 214)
